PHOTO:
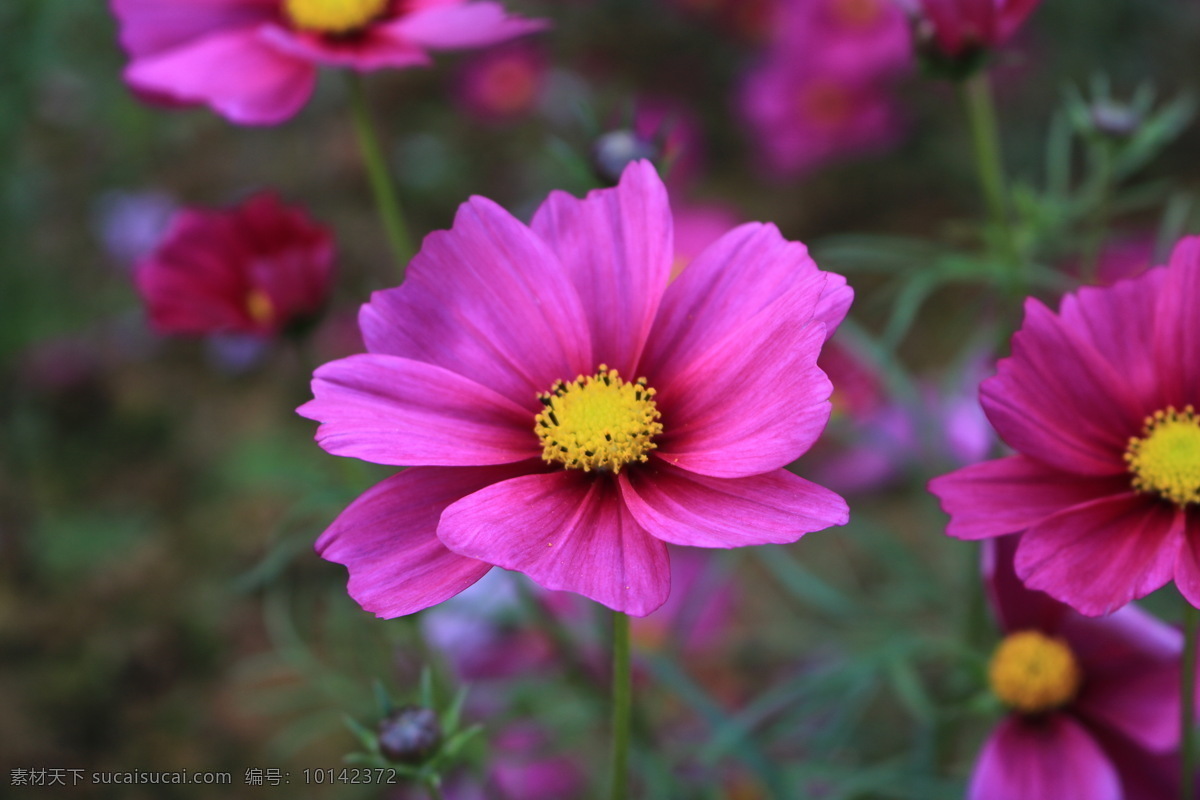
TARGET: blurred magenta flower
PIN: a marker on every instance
(255, 61)
(503, 83)
(568, 413)
(259, 268)
(1099, 403)
(822, 91)
(957, 29)
(1093, 703)
(696, 227)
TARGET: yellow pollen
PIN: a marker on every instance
(598, 422)
(1032, 672)
(1165, 459)
(259, 306)
(333, 16)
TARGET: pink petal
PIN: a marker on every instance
(447, 26)
(1047, 758)
(1098, 556)
(375, 48)
(684, 508)
(236, 72)
(1017, 608)
(391, 410)
(488, 300)
(152, 26)
(1187, 568)
(1056, 399)
(565, 530)
(754, 402)
(1131, 661)
(1116, 321)
(387, 538)
(1177, 351)
(617, 248)
(1008, 495)
(731, 281)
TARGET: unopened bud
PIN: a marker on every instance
(615, 150)
(1115, 119)
(410, 735)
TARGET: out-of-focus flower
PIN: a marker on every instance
(568, 413)
(878, 439)
(1093, 703)
(696, 227)
(130, 224)
(259, 268)
(255, 61)
(525, 768)
(823, 91)
(955, 33)
(502, 83)
(1099, 403)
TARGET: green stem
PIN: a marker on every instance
(985, 134)
(1187, 702)
(435, 792)
(622, 694)
(377, 172)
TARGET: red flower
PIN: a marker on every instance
(255, 269)
(957, 28)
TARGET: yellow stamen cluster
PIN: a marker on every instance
(259, 306)
(333, 16)
(598, 422)
(1165, 459)
(1033, 673)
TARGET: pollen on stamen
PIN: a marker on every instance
(598, 422)
(1165, 459)
(334, 16)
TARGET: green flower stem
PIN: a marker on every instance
(1187, 702)
(377, 172)
(435, 793)
(622, 695)
(985, 134)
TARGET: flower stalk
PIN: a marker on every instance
(382, 186)
(622, 695)
(985, 136)
(1187, 702)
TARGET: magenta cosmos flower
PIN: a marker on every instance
(258, 269)
(255, 61)
(568, 413)
(1093, 703)
(959, 28)
(1099, 403)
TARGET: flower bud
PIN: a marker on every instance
(410, 735)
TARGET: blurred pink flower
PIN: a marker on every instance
(255, 61)
(502, 83)
(258, 269)
(1099, 403)
(525, 371)
(1094, 703)
(696, 227)
(852, 39)
(957, 28)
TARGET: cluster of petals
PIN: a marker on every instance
(258, 268)
(494, 313)
(252, 64)
(1117, 739)
(1078, 387)
(956, 28)
(823, 90)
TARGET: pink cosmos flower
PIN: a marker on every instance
(568, 413)
(1094, 703)
(258, 269)
(1099, 403)
(255, 61)
(956, 28)
(503, 83)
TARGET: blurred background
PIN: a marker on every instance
(161, 607)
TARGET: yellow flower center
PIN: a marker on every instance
(333, 16)
(259, 306)
(1032, 672)
(597, 423)
(1165, 459)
